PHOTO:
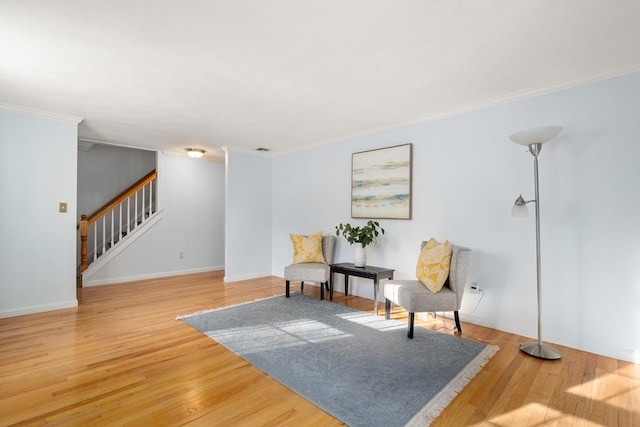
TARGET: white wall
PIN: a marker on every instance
(247, 216)
(37, 243)
(191, 195)
(466, 175)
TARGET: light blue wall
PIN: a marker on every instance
(247, 216)
(37, 243)
(466, 175)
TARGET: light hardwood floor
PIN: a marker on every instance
(122, 358)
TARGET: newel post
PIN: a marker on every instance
(84, 228)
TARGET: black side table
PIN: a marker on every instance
(367, 272)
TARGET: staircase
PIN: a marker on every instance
(115, 226)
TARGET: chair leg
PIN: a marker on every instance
(457, 317)
(411, 319)
(301, 286)
(321, 291)
(286, 292)
(387, 308)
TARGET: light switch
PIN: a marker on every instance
(63, 207)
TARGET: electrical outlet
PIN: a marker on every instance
(180, 255)
(474, 288)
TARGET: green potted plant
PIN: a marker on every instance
(360, 237)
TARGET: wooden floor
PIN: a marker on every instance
(122, 358)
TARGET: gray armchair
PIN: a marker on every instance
(314, 272)
(414, 297)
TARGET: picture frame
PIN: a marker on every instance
(381, 183)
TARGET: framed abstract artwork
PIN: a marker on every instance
(381, 183)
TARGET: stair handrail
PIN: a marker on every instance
(86, 221)
(122, 197)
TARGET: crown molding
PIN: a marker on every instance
(40, 113)
(96, 141)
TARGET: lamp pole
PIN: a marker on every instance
(535, 150)
(537, 349)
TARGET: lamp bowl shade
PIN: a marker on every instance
(536, 135)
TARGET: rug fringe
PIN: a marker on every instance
(209, 310)
(430, 412)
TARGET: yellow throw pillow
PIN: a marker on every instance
(307, 248)
(433, 264)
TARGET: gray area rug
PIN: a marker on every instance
(360, 368)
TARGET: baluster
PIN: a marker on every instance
(128, 215)
(111, 231)
(120, 222)
(151, 204)
(104, 234)
(135, 221)
(144, 207)
(95, 240)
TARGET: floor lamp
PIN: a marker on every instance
(534, 138)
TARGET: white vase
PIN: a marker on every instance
(359, 255)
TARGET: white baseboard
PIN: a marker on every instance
(39, 309)
(124, 279)
(229, 279)
(625, 354)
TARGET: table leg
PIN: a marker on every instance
(375, 295)
(346, 284)
(330, 286)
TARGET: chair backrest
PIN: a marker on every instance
(328, 245)
(457, 279)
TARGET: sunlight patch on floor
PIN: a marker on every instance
(610, 388)
(532, 415)
(374, 322)
(286, 334)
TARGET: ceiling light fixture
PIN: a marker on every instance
(195, 153)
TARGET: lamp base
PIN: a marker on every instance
(540, 351)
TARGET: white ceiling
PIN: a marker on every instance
(289, 75)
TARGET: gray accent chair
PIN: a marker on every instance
(315, 272)
(414, 297)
